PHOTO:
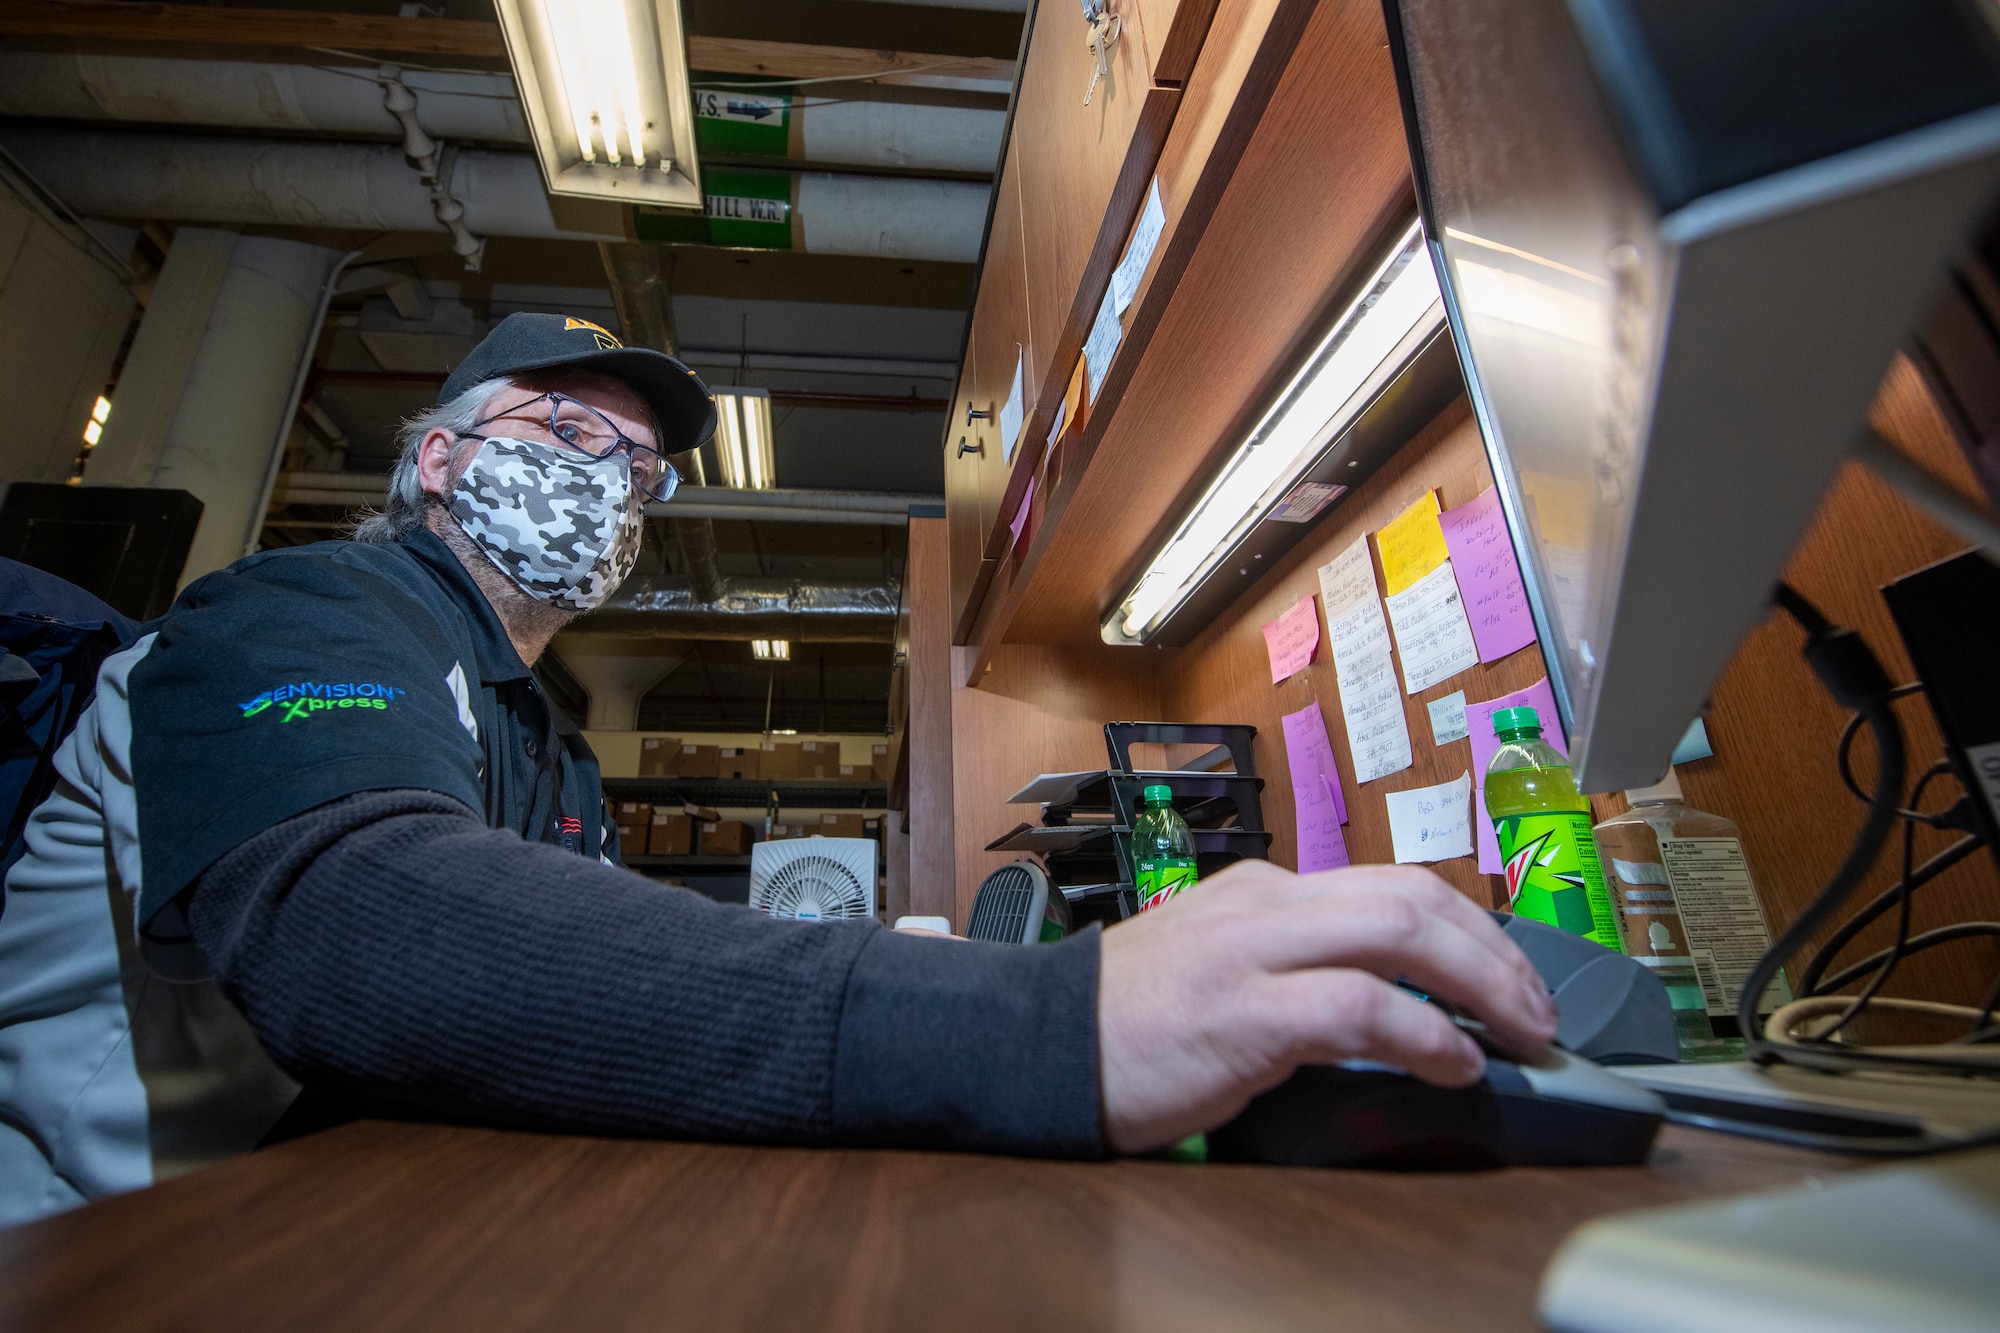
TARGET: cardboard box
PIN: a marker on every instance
(659, 756)
(671, 833)
(856, 773)
(699, 761)
(701, 814)
(735, 762)
(780, 761)
(841, 826)
(786, 832)
(819, 760)
(725, 837)
(632, 818)
(879, 757)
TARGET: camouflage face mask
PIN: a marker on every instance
(564, 527)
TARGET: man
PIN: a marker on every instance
(328, 778)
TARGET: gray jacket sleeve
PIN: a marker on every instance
(391, 945)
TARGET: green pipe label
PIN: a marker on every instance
(744, 209)
(1553, 874)
(733, 120)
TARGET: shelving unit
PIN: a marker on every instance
(751, 793)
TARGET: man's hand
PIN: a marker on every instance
(1221, 993)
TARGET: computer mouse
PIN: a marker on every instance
(1548, 1108)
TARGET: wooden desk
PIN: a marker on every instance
(382, 1226)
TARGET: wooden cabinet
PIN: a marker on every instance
(966, 535)
(1174, 32)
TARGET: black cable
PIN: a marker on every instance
(1809, 980)
(1852, 675)
(1930, 939)
(1843, 759)
(1893, 956)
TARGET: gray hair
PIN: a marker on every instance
(402, 513)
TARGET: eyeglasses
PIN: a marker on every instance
(583, 428)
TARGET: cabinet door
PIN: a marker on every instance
(1083, 173)
(1004, 345)
(964, 527)
(1174, 31)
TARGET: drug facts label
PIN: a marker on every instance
(1719, 910)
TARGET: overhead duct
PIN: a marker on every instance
(255, 95)
(616, 670)
(664, 606)
(353, 490)
(369, 187)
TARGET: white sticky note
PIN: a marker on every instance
(1102, 343)
(1370, 705)
(1012, 410)
(1433, 637)
(1432, 823)
(1448, 718)
(1145, 239)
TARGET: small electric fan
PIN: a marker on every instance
(814, 879)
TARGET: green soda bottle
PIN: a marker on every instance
(1543, 825)
(1163, 849)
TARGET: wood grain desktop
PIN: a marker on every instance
(383, 1226)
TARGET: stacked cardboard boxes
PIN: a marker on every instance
(633, 819)
(671, 832)
(780, 761)
(833, 825)
(819, 761)
(699, 761)
(735, 762)
(856, 773)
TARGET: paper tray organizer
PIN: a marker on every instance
(1084, 837)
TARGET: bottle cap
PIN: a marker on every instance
(1667, 788)
(1520, 718)
(1159, 794)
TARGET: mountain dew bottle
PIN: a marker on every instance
(1543, 825)
(1163, 849)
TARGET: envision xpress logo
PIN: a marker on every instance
(307, 697)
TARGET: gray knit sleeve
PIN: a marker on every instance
(391, 945)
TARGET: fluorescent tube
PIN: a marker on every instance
(1399, 298)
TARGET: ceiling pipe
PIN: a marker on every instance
(832, 611)
(342, 490)
(272, 96)
(369, 187)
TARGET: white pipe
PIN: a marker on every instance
(891, 367)
(242, 94)
(274, 182)
(369, 187)
(892, 217)
(482, 108)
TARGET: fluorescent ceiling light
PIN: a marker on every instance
(743, 438)
(605, 87)
(1360, 356)
(771, 650)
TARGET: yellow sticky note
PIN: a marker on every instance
(1412, 545)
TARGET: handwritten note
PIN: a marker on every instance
(1316, 794)
(1014, 409)
(1448, 718)
(1432, 823)
(1412, 545)
(1019, 527)
(1145, 239)
(1292, 639)
(1432, 637)
(1102, 343)
(1479, 723)
(1358, 638)
(1482, 559)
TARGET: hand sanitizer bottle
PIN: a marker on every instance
(1688, 908)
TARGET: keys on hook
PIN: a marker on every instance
(1105, 30)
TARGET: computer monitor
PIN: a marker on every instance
(1679, 242)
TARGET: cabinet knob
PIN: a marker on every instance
(964, 448)
(972, 415)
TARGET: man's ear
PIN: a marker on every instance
(434, 462)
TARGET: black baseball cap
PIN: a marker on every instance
(680, 402)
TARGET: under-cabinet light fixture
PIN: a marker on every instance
(743, 438)
(1397, 314)
(771, 650)
(605, 87)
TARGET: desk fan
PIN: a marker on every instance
(814, 879)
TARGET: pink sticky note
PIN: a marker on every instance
(1316, 795)
(1293, 638)
(1020, 524)
(1482, 558)
(1479, 725)
(1309, 752)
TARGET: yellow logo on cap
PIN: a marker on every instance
(604, 338)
